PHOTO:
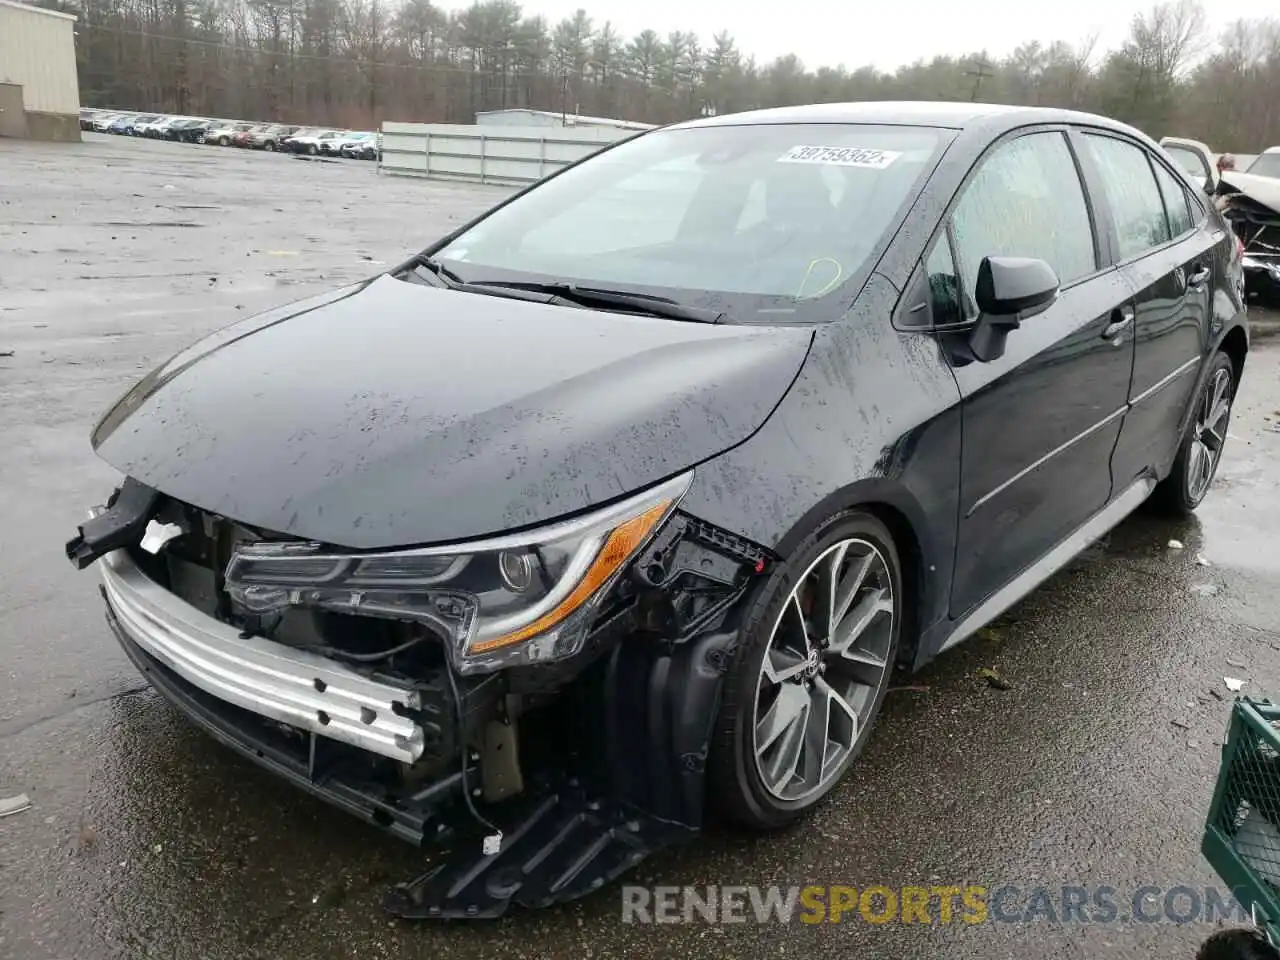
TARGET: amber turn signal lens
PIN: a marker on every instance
(618, 548)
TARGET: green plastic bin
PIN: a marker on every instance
(1242, 831)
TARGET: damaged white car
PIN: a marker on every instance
(1251, 202)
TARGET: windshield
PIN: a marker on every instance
(760, 222)
(1267, 165)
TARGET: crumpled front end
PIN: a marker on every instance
(545, 740)
(1257, 224)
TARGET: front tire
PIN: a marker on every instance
(1198, 457)
(269, 147)
(814, 659)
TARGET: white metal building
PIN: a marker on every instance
(39, 88)
(525, 117)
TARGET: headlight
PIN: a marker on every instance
(523, 598)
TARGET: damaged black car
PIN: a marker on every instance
(617, 508)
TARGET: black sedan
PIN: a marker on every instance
(625, 500)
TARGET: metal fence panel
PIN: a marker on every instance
(506, 156)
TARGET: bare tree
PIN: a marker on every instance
(358, 62)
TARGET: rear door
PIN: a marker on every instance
(1165, 248)
(1039, 422)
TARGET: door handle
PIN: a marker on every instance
(1198, 279)
(1121, 320)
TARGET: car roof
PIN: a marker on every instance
(950, 114)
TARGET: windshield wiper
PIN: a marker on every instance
(644, 303)
(447, 276)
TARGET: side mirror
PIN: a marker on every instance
(1009, 290)
(1208, 185)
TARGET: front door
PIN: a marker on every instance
(13, 115)
(1039, 422)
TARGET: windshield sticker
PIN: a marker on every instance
(841, 156)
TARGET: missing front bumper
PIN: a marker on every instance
(560, 841)
(292, 686)
(418, 818)
(623, 777)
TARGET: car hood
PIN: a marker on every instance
(1263, 190)
(390, 413)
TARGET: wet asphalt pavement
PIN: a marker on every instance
(147, 839)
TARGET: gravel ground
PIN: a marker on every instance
(147, 839)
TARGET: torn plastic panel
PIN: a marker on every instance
(636, 782)
(121, 524)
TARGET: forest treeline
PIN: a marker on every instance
(356, 63)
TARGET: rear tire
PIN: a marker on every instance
(788, 730)
(1200, 453)
(269, 147)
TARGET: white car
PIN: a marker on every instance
(104, 120)
(153, 127)
(342, 145)
(313, 143)
(1266, 164)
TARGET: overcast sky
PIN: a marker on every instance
(828, 32)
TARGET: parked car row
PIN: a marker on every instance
(290, 138)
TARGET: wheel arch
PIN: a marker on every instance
(920, 552)
(1236, 346)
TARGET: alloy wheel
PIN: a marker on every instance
(826, 661)
(1210, 434)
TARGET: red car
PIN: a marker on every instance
(241, 137)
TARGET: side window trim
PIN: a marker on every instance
(1164, 201)
(919, 285)
(1158, 167)
(949, 237)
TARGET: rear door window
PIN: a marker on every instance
(1136, 204)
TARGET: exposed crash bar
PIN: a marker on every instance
(257, 674)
